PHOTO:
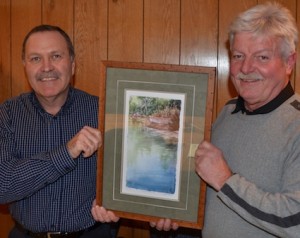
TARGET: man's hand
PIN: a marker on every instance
(211, 166)
(164, 225)
(86, 141)
(102, 215)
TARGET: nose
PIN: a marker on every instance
(47, 65)
(247, 65)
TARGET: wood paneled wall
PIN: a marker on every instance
(185, 32)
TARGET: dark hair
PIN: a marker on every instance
(43, 28)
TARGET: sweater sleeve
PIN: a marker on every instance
(276, 213)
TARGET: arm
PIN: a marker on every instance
(22, 176)
(25, 167)
(277, 212)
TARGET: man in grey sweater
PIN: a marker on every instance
(252, 164)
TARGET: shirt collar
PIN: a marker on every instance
(286, 93)
(63, 109)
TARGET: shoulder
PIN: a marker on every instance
(84, 102)
(83, 95)
(229, 106)
(294, 102)
(292, 105)
(14, 106)
(288, 114)
(232, 101)
(17, 100)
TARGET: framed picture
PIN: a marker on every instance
(153, 117)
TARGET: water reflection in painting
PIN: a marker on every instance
(152, 144)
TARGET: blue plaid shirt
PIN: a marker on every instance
(46, 188)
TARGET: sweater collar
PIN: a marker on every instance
(285, 94)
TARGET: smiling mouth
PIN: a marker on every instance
(246, 80)
(47, 79)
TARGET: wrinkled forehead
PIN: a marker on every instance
(248, 40)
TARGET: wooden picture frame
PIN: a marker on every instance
(152, 117)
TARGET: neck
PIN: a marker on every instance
(52, 105)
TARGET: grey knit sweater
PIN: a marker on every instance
(263, 198)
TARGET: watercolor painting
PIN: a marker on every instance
(153, 116)
(152, 144)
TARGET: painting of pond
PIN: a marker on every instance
(152, 144)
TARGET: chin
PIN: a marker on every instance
(49, 93)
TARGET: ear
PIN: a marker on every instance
(290, 63)
(73, 67)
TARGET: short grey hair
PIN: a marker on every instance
(271, 19)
